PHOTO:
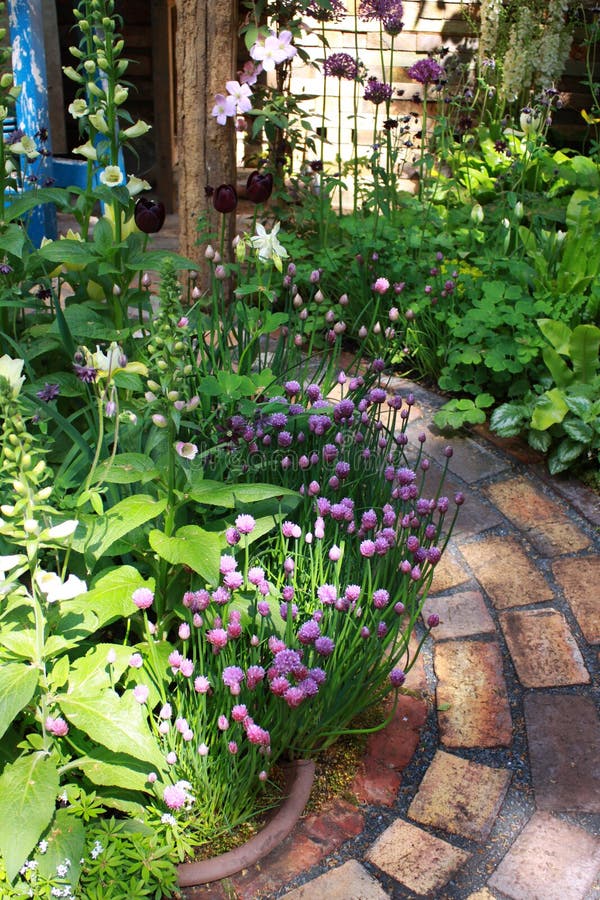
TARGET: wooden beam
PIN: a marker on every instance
(163, 76)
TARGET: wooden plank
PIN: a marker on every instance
(164, 113)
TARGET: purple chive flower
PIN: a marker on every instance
(143, 598)
(324, 646)
(232, 678)
(217, 637)
(309, 632)
(232, 536)
(397, 677)
(258, 735)
(291, 530)
(382, 630)
(367, 549)
(245, 524)
(279, 685)
(294, 696)
(174, 796)
(433, 621)
(381, 598)
(327, 594)
(292, 388)
(426, 71)
(341, 65)
(254, 675)
(434, 554)
(308, 686)
(201, 684)
(56, 726)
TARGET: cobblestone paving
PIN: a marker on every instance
(486, 786)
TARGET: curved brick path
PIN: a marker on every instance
(489, 788)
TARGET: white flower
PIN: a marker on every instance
(11, 369)
(121, 94)
(107, 362)
(7, 563)
(168, 819)
(136, 185)
(88, 150)
(98, 121)
(267, 245)
(78, 108)
(224, 108)
(136, 130)
(27, 146)
(62, 530)
(186, 450)
(50, 584)
(112, 176)
(96, 850)
(273, 50)
(241, 93)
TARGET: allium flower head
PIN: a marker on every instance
(245, 524)
(426, 71)
(377, 91)
(380, 10)
(335, 13)
(341, 65)
(143, 598)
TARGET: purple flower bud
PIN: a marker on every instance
(149, 215)
(259, 187)
(225, 198)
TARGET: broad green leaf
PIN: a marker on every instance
(118, 723)
(580, 406)
(549, 409)
(83, 322)
(215, 493)
(122, 518)
(557, 333)
(12, 240)
(154, 259)
(126, 468)
(28, 789)
(28, 200)
(482, 401)
(21, 642)
(91, 673)
(110, 597)
(66, 840)
(68, 250)
(191, 546)
(539, 440)
(115, 770)
(17, 686)
(562, 375)
(584, 348)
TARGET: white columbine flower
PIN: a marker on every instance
(50, 584)
(268, 246)
(111, 176)
(11, 369)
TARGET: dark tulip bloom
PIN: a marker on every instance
(259, 187)
(149, 215)
(225, 198)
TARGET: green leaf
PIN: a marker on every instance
(21, 642)
(215, 493)
(191, 546)
(508, 420)
(66, 840)
(122, 518)
(482, 401)
(565, 454)
(30, 199)
(118, 723)
(579, 406)
(155, 259)
(578, 430)
(12, 240)
(126, 468)
(86, 324)
(539, 440)
(69, 251)
(584, 348)
(92, 673)
(110, 769)
(557, 333)
(17, 686)
(28, 789)
(110, 597)
(550, 409)
(558, 368)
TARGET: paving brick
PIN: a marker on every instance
(418, 860)
(505, 571)
(469, 461)
(471, 696)
(461, 615)
(580, 581)
(460, 796)
(314, 837)
(550, 860)
(348, 882)
(543, 649)
(563, 733)
(541, 520)
(483, 894)
(388, 752)
(448, 574)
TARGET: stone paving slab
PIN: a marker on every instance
(550, 860)
(469, 461)
(348, 882)
(563, 733)
(541, 520)
(471, 696)
(543, 649)
(460, 796)
(461, 615)
(505, 571)
(448, 573)
(483, 894)
(418, 860)
(580, 581)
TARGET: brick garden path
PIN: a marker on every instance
(489, 786)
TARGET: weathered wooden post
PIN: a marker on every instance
(205, 61)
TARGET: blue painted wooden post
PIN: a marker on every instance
(29, 70)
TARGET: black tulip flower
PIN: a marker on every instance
(259, 187)
(149, 215)
(225, 198)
